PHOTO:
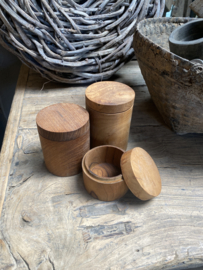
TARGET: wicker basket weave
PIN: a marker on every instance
(73, 41)
(175, 84)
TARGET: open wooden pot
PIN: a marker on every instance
(102, 173)
(108, 172)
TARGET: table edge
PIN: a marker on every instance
(7, 149)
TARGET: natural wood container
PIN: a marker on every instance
(110, 105)
(108, 172)
(102, 173)
(65, 138)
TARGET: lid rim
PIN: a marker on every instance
(62, 136)
(99, 96)
(116, 113)
(58, 116)
(140, 183)
(135, 179)
(106, 109)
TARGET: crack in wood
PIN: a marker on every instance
(91, 233)
(100, 210)
(20, 184)
(52, 263)
(26, 263)
(9, 249)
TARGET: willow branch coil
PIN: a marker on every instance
(73, 41)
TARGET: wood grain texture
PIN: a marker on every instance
(64, 158)
(104, 170)
(65, 137)
(51, 222)
(101, 189)
(103, 162)
(62, 122)
(109, 129)
(141, 174)
(10, 132)
(109, 97)
(197, 7)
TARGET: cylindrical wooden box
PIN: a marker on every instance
(65, 137)
(110, 105)
(108, 172)
(102, 173)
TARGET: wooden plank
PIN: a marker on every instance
(10, 133)
(197, 7)
(51, 222)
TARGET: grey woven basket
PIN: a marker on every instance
(175, 84)
(73, 41)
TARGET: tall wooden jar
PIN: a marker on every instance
(65, 137)
(110, 105)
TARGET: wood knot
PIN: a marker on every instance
(86, 237)
(26, 217)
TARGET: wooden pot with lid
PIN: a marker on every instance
(108, 172)
(110, 105)
(65, 137)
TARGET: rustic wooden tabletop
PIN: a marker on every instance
(50, 222)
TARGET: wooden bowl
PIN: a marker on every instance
(102, 173)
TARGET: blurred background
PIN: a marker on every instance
(178, 8)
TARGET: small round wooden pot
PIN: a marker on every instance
(102, 173)
(110, 105)
(65, 137)
(108, 172)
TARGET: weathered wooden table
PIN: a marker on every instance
(49, 222)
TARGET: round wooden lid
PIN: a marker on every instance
(109, 97)
(62, 122)
(141, 174)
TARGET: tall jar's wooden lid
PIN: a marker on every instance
(62, 122)
(109, 97)
(141, 174)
